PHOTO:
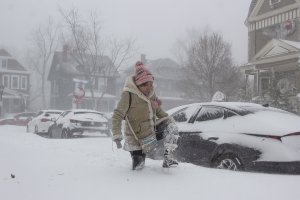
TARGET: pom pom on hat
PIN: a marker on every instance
(142, 74)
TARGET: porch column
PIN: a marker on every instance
(257, 83)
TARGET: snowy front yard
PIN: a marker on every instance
(89, 168)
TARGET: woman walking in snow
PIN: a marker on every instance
(140, 107)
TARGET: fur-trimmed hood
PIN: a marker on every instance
(130, 86)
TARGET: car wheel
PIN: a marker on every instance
(108, 133)
(50, 133)
(65, 134)
(36, 131)
(228, 161)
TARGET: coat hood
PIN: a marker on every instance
(130, 86)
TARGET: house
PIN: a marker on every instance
(67, 74)
(167, 81)
(274, 49)
(15, 79)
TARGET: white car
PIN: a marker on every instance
(79, 121)
(238, 136)
(42, 121)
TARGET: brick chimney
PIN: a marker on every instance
(66, 49)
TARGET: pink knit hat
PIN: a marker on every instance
(142, 75)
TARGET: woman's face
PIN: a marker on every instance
(146, 88)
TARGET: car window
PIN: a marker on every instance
(210, 113)
(184, 114)
(65, 113)
(39, 113)
(229, 113)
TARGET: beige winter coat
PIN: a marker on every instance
(141, 115)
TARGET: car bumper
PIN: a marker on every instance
(89, 129)
(275, 167)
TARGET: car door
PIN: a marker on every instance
(207, 124)
(182, 119)
(57, 127)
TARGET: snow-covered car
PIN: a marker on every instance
(42, 121)
(79, 121)
(20, 119)
(238, 136)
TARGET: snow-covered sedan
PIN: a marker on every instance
(42, 121)
(79, 121)
(238, 136)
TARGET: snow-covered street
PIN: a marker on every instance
(89, 168)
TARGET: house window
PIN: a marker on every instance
(5, 81)
(4, 63)
(272, 2)
(264, 84)
(294, 14)
(23, 82)
(14, 82)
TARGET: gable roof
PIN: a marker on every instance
(3, 52)
(12, 63)
(252, 6)
(256, 5)
(68, 64)
(276, 48)
(164, 68)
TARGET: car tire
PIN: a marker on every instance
(50, 133)
(108, 133)
(36, 130)
(65, 134)
(228, 161)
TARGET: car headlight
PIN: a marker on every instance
(76, 122)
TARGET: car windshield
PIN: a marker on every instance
(57, 113)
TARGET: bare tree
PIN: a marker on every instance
(44, 41)
(208, 65)
(92, 47)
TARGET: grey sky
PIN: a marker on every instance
(155, 23)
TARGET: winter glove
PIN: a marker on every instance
(118, 143)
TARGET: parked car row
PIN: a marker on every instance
(226, 135)
(69, 123)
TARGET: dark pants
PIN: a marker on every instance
(138, 159)
(137, 153)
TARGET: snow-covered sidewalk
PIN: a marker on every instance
(89, 168)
